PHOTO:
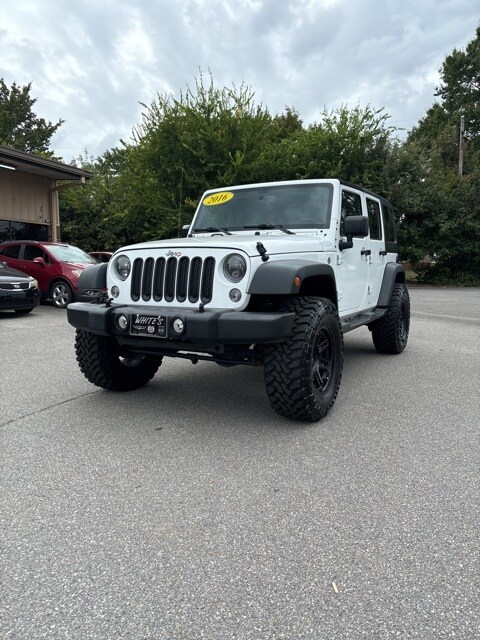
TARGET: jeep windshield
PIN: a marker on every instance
(302, 206)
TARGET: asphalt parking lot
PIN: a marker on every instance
(188, 509)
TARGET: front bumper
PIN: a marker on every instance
(24, 299)
(207, 327)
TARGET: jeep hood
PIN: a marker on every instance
(274, 243)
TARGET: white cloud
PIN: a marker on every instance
(91, 64)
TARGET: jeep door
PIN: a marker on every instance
(377, 258)
(352, 270)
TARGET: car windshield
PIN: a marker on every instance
(71, 254)
(299, 206)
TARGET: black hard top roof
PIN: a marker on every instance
(367, 191)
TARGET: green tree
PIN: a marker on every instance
(460, 87)
(207, 137)
(20, 127)
(89, 215)
(440, 212)
(210, 137)
(350, 144)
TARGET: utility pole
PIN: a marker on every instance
(460, 147)
(180, 204)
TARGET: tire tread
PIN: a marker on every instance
(385, 331)
(285, 370)
(98, 359)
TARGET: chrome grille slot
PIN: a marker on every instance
(147, 279)
(173, 279)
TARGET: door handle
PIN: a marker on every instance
(365, 252)
(382, 253)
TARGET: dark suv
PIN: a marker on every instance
(54, 265)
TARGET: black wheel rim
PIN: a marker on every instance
(322, 365)
(402, 326)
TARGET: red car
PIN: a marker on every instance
(54, 265)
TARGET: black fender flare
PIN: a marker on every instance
(277, 277)
(393, 273)
(94, 277)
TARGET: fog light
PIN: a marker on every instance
(235, 295)
(178, 326)
(115, 291)
(122, 322)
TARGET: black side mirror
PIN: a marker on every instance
(184, 231)
(353, 227)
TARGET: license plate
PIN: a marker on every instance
(149, 326)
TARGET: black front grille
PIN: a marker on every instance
(12, 286)
(173, 279)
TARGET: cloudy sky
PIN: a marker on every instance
(92, 62)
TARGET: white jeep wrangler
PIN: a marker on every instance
(269, 274)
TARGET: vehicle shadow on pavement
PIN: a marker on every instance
(208, 397)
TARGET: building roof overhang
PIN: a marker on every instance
(29, 163)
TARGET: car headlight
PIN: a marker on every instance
(33, 284)
(122, 267)
(234, 267)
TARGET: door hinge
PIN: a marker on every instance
(339, 259)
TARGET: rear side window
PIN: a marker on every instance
(375, 225)
(351, 206)
(11, 251)
(389, 223)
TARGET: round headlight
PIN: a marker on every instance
(234, 267)
(122, 267)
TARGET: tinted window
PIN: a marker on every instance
(389, 224)
(28, 231)
(351, 206)
(373, 209)
(11, 230)
(32, 251)
(4, 230)
(11, 251)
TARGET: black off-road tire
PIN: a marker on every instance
(390, 333)
(303, 373)
(101, 362)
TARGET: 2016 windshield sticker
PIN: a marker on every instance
(218, 198)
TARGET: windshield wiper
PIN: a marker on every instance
(212, 229)
(267, 225)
